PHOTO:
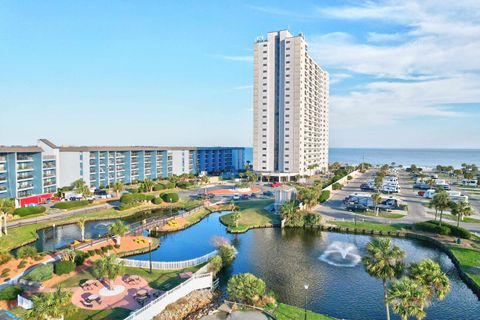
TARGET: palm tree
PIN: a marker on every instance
(433, 204)
(148, 185)
(384, 261)
(109, 267)
(118, 229)
(442, 201)
(118, 187)
(205, 179)
(81, 224)
(233, 206)
(309, 196)
(408, 298)
(6, 207)
(312, 167)
(376, 199)
(429, 274)
(288, 210)
(174, 179)
(52, 305)
(461, 210)
(236, 215)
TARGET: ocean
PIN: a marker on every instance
(406, 157)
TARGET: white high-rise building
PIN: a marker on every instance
(290, 108)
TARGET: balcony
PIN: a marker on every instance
(3, 168)
(24, 167)
(47, 174)
(3, 158)
(49, 183)
(21, 158)
(24, 186)
(23, 176)
(49, 165)
(3, 189)
(3, 178)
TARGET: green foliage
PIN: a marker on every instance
(349, 177)
(10, 293)
(170, 197)
(26, 211)
(5, 272)
(63, 267)
(80, 257)
(453, 230)
(108, 267)
(159, 186)
(71, 204)
(126, 206)
(118, 228)
(27, 252)
(215, 265)
(5, 256)
(135, 197)
(157, 200)
(246, 288)
(183, 184)
(227, 253)
(41, 273)
(324, 196)
(22, 264)
(51, 305)
(337, 186)
(312, 219)
(431, 227)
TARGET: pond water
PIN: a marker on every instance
(328, 262)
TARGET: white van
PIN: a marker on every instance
(469, 182)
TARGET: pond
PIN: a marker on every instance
(287, 259)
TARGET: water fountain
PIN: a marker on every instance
(341, 254)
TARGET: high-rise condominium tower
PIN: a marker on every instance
(290, 108)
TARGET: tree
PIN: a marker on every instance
(7, 206)
(118, 187)
(430, 275)
(384, 261)
(205, 179)
(174, 179)
(309, 197)
(109, 267)
(236, 215)
(51, 305)
(378, 182)
(246, 288)
(227, 253)
(461, 209)
(215, 265)
(81, 224)
(148, 185)
(118, 229)
(312, 167)
(289, 210)
(376, 199)
(252, 177)
(408, 298)
(442, 201)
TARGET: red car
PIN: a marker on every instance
(421, 193)
(276, 184)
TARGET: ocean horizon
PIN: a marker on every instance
(402, 156)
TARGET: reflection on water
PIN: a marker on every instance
(287, 259)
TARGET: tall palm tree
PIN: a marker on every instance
(288, 210)
(52, 305)
(461, 209)
(118, 229)
(109, 267)
(312, 167)
(236, 215)
(309, 196)
(81, 224)
(376, 199)
(7, 206)
(118, 187)
(408, 298)
(148, 185)
(384, 261)
(442, 202)
(429, 274)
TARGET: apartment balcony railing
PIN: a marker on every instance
(24, 158)
(49, 183)
(48, 174)
(3, 188)
(48, 165)
(24, 186)
(24, 176)
(3, 178)
(3, 159)
(24, 167)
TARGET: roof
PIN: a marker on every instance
(8, 149)
(48, 143)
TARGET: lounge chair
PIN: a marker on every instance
(87, 304)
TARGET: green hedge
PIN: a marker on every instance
(71, 204)
(324, 196)
(157, 200)
(26, 211)
(170, 197)
(26, 252)
(126, 206)
(135, 197)
(5, 256)
(454, 230)
(63, 267)
(80, 257)
(337, 186)
(159, 186)
(183, 184)
(41, 273)
(10, 293)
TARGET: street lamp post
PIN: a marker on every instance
(306, 291)
(150, 253)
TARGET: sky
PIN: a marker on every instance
(402, 73)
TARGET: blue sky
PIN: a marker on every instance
(403, 73)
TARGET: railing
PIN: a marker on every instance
(24, 302)
(173, 265)
(197, 282)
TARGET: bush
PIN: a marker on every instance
(80, 257)
(41, 273)
(215, 265)
(454, 230)
(91, 253)
(5, 272)
(10, 293)
(157, 200)
(104, 249)
(26, 211)
(22, 264)
(63, 267)
(5, 256)
(98, 251)
(183, 184)
(337, 186)
(117, 246)
(324, 196)
(126, 206)
(170, 197)
(349, 178)
(312, 219)
(168, 185)
(110, 247)
(135, 197)
(432, 227)
(158, 187)
(71, 204)
(227, 253)
(246, 288)
(26, 252)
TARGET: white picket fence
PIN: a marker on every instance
(24, 302)
(174, 265)
(197, 282)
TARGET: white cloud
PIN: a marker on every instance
(385, 37)
(337, 77)
(244, 87)
(244, 58)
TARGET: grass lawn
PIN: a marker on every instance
(287, 312)
(193, 218)
(107, 314)
(252, 214)
(468, 258)
(370, 225)
(465, 219)
(382, 214)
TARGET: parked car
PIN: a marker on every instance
(421, 186)
(236, 196)
(277, 184)
(366, 187)
(253, 195)
(268, 193)
(421, 193)
(357, 208)
(245, 197)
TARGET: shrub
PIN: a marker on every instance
(168, 185)
(312, 219)
(41, 273)
(215, 265)
(337, 186)
(126, 206)
(104, 249)
(22, 264)
(5, 272)
(170, 197)
(10, 293)
(324, 196)
(80, 257)
(25, 211)
(63, 267)
(109, 247)
(183, 184)
(98, 251)
(117, 246)
(70, 204)
(5, 256)
(26, 252)
(431, 227)
(454, 230)
(157, 200)
(349, 178)
(158, 187)
(227, 253)
(91, 253)
(246, 288)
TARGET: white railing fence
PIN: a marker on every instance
(197, 282)
(24, 302)
(174, 265)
